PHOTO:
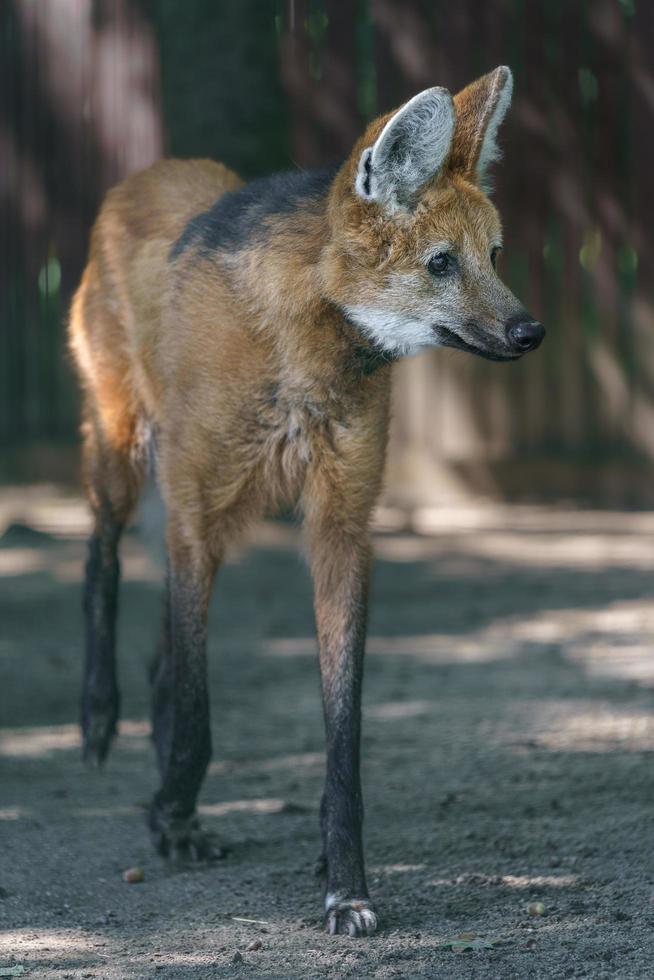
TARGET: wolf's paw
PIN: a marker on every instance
(350, 917)
(182, 840)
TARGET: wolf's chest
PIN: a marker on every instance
(298, 434)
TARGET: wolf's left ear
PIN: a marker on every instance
(409, 151)
(480, 108)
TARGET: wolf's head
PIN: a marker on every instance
(415, 236)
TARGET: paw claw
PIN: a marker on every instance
(351, 918)
(183, 841)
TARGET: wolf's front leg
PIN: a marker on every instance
(181, 706)
(340, 568)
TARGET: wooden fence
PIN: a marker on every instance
(92, 90)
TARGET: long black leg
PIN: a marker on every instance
(181, 713)
(113, 478)
(100, 696)
(340, 571)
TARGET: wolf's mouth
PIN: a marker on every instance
(448, 338)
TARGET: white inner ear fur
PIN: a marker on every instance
(490, 150)
(410, 149)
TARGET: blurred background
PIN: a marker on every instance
(91, 90)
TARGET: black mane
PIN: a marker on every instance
(238, 218)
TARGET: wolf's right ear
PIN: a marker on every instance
(410, 149)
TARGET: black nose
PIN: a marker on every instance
(524, 334)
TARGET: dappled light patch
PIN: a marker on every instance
(68, 568)
(481, 515)
(612, 641)
(22, 561)
(396, 869)
(480, 879)
(40, 741)
(44, 508)
(13, 813)
(60, 948)
(397, 710)
(580, 726)
(431, 647)
(540, 881)
(564, 550)
(263, 806)
(136, 566)
(538, 549)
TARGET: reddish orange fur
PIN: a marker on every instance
(181, 350)
(244, 364)
(198, 350)
(246, 367)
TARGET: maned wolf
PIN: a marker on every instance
(243, 335)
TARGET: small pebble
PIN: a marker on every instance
(134, 875)
(237, 957)
(536, 908)
(255, 944)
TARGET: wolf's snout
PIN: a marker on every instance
(524, 334)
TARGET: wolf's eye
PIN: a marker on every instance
(493, 256)
(440, 264)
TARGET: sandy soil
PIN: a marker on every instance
(509, 731)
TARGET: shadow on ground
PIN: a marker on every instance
(507, 759)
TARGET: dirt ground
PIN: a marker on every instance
(508, 740)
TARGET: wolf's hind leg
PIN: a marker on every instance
(113, 479)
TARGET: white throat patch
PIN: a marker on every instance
(396, 333)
